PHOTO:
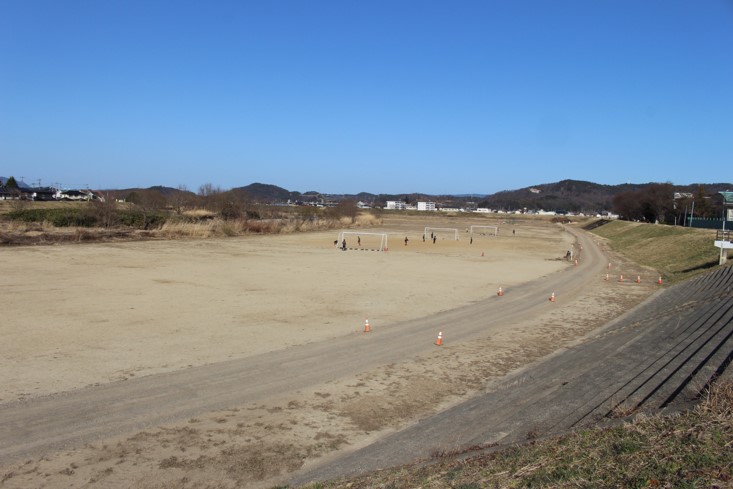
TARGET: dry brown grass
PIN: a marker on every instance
(199, 213)
(19, 234)
(367, 219)
(193, 223)
(690, 450)
(676, 252)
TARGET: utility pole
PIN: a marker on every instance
(692, 212)
(724, 242)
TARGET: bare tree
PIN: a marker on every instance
(208, 189)
(346, 208)
(657, 202)
(147, 202)
(627, 205)
(181, 199)
(105, 211)
(703, 204)
(653, 203)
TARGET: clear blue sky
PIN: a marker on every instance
(345, 96)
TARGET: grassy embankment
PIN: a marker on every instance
(693, 449)
(677, 253)
(686, 451)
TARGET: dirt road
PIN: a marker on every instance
(662, 354)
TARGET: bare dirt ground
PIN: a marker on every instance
(94, 314)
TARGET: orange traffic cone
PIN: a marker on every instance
(660, 280)
(638, 279)
(552, 297)
(439, 341)
(621, 278)
(366, 326)
(500, 293)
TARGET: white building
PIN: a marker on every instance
(396, 204)
(426, 206)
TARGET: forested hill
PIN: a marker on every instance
(578, 196)
(630, 200)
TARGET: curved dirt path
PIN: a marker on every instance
(661, 355)
(71, 419)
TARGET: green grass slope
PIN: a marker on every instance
(677, 253)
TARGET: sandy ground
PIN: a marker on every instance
(91, 314)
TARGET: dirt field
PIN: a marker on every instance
(92, 314)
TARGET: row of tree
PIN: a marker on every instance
(228, 204)
(658, 202)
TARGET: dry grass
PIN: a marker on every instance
(199, 213)
(193, 223)
(240, 227)
(678, 253)
(694, 449)
(7, 206)
(20, 233)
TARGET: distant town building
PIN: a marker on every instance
(426, 206)
(396, 204)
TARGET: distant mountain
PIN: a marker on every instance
(575, 196)
(565, 195)
(166, 191)
(262, 192)
(568, 195)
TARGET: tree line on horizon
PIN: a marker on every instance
(652, 202)
(153, 207)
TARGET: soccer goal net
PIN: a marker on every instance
(355, 240)
(431, 232)
(494, 230)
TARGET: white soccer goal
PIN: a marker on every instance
(441, 231)
(492, 229)
(362, 241)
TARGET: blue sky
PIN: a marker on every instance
(375, 96)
